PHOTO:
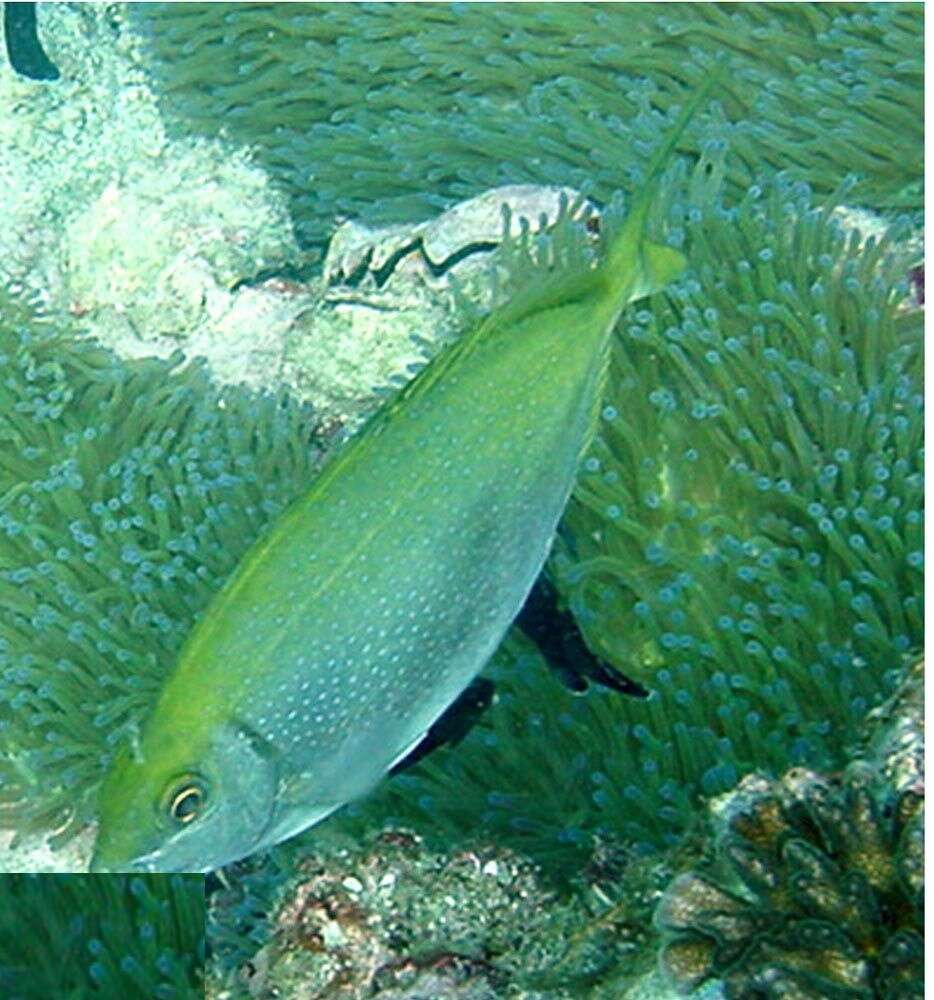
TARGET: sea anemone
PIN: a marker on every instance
(745, 539)
(384, 112)
(107, 936)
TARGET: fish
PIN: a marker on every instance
(375, 599)
(452, 725)
(559, 640)
(23, 48)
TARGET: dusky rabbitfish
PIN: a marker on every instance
(376, 598)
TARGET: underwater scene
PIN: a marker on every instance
(461, 501)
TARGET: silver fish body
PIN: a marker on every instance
(370, 604)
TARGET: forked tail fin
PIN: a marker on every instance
(633, 266)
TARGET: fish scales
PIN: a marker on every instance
(377, 596)
(413, 559)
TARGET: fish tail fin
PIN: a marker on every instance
(634, 266)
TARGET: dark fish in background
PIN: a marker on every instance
(23, 48)
(454, 723)
(560, 642)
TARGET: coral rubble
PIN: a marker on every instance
(389, 917)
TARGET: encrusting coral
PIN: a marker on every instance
(70, 937)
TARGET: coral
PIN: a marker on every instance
(76, 936)
(387, 916)
(148, 240)
(128, 491)
(182, 243)
(817, 892)
(790, 854)
(384, 112)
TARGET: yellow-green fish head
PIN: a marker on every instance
(168, 805)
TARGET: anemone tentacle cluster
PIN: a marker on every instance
(113, 937)
(745, 539)
(343, 100)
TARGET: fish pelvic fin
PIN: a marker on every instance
(633, 266)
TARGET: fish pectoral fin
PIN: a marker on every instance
(451, 726)
(293, 822)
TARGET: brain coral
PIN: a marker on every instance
(818, 892)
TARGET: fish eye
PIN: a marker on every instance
(186, 799)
